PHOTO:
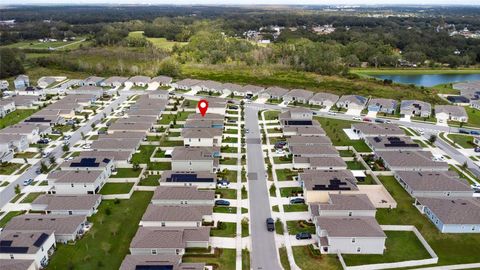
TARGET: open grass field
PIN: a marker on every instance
(450, 248)
(411, 71)
(160, 43)
(105, 246)
(55, 45)
(287, 78)
(15, 117)
(116, 188)
(400, 246)
(334, 129)
(465, 141)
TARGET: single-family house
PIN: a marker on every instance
(116, 144)
(25, 102)
(434, 184)
(195, 159)
(159, 261)
(21, 82)
(391, 143)
(13, 142)
(319, 150)
(274, 92)
(308, 140)
(6, 106)
(167, 240)
(85, 204)
(4, 85)
(182, 195)
(103, 164)
(215, 106)
(349, 235)
(314, 130)
(76, 182)
(66, 228)
(115, 81)
(158, 94)
(352, 102)
(298, 95)
(344, 205)
(410, 161)
(199, 179)
(92, 81)
(36, 245)
(382, 105)
(250, 91)
(319, 184)
(139, 81)
(130, 126)
(158, 81)
(451, 215)
(203, 123)
(445, 113)
(232, 88)
(415, 108)
(211, 86)
(176, 215)
(202, 137)
(325, 100)
(187, 84)
(319, 163)
(16, 264)
(32, 131)
(364, 130)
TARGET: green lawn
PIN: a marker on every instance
(166, 119)
(127, 173)
(282, 160)
(225, 229)
(106, 245)
(285, 174)
(450, 248)
(229, 175)
(116, 188)
(151, 180)
(9, 168)
(400, 246)
(231, 131)
(223, 259)
(168, 143)
(271, 115)
(9, 216)
(31, 197)
(290, 191)
(354, 165)
(245, 259)
(297, 226)
(465, 141)
(25, 155)
(230, 140)
(144, 155)
(159, 166)
(284, 258)
(306, 260)
(334, 129)
(295, 207)
(227, 193)
(229, 149)
(228, 210)
(228, 161)
(473, 117)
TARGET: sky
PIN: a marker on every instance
(254, 2)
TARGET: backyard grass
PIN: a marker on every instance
(450, 248)
(230, 140)
(295, 207)
(126, 173)
(306, 260)
(282, 160)
(107, 243)
(298, 226)
(354, 165)
(144, 154)
(31, 197)
(271, 115)
(227, 193)
(9, 216)
(334, 129)
(230, 175)
(166, 119)
(224, 229)
(25, 155)
(116, 188)
(15, 117)
(168, 143)
(465, 141)
(228, 161)
(222, 258)
(151, 180)
(285, 174)
(290, 191)
(400, 246)
(159, 166)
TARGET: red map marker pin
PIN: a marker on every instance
(203, 106)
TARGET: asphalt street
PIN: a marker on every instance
(8, 192)
(264, 251)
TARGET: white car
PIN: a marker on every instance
(332, 113)
(357, 118)
(280, 151)
(86, 146)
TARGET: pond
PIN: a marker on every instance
(429, 80)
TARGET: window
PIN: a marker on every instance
(349, 214)
(358, 249)
(154, 252)
(72, 185)
(163, 224)
(11, 256)
(353, 240)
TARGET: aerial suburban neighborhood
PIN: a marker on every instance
(154, 165)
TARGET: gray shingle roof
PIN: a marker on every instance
(350, 226)
(60, 224)
(348, 202)
(182, 193)
(454, 211)
(166, 237)
(68, 202)
(434, 181)
(176, 212)
(452, 110)
(410, 159)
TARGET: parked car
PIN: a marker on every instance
(247, 130)
(86, 146)
(378, 120)
(38, 171)
(223, 183)
(46, 154)
(270, 225)
(463, 131)
(27, 182)
(303, 235)
(67, 137)
(297, 201)
(358, 118)
(477, 149)
(280, 151)
(43, 141)
(332, 113)
(56, 132)
(233, 107)
(231, 121)
(230, 101)
(365, 119)
(387, 122)
(222, 203)
(474, 132)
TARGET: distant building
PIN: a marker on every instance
(382, 105)
(415, 108)
(21, 82)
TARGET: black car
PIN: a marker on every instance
(222, 203)
(42, 141)
(474, 132)
(270, 225)
(303, 235)
(297, 201)
(379, 120)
